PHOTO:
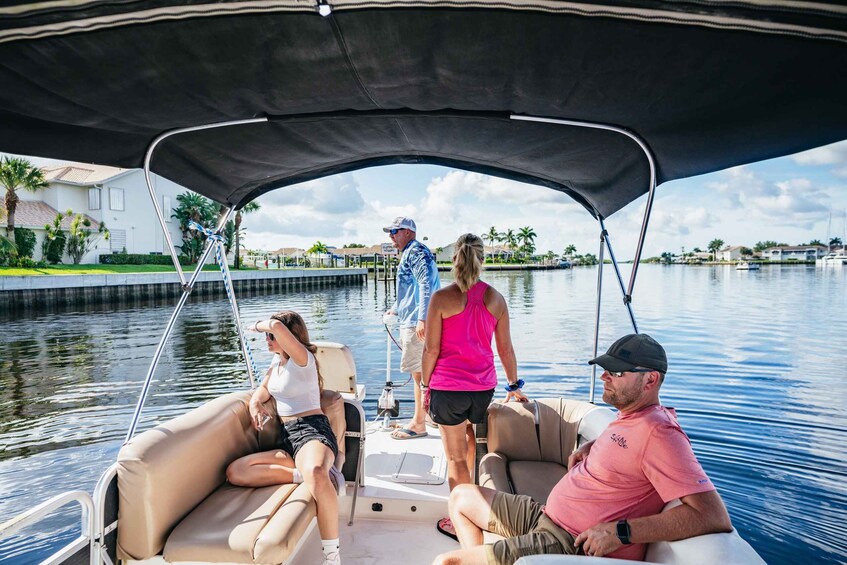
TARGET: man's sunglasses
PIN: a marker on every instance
(619, 374)
(270, 336)
(395, 230)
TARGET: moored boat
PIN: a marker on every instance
(747, 266)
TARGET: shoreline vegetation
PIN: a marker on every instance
(100, 269)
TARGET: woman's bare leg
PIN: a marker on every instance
(314, 460)
(454, 439)
(275, 467)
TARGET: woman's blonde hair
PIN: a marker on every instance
(295, 324)
(467, 260)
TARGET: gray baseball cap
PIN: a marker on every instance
(631, 351)
(401, 222)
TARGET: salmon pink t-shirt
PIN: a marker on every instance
(640, 462)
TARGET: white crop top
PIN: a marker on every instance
(294, 388)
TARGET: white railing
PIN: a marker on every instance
(46, 508)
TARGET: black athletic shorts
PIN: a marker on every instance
(297, 433)
(452, 407)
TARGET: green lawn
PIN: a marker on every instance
(96, 270)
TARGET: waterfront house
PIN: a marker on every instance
(730, 253)
(117, 197)
(794, 253)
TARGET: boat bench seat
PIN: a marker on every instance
(529, 443)
(175, 501)
(518, 465)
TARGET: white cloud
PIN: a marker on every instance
(792, 202)
(331, 195)
(835, 154)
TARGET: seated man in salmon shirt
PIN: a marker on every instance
(610, 501)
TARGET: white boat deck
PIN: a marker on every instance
(404, 494)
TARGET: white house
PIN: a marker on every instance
(796, 252)
(730, 253)
(117, 197)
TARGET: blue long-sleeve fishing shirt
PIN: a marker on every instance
(417, 279)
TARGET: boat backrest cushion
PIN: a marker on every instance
(337, 366)
(512, 429)
(166, 472)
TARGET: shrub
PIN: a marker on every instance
(53, 248)
(25, 240)
(140, 259)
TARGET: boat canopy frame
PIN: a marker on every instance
(213, 240)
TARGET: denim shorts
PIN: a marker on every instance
(300, 431)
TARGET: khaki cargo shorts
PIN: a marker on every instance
(411, 360)
(527, 529)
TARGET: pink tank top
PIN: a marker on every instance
(466, 361)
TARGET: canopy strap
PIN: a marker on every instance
(220, 257)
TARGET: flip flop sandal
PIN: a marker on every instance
(445, 526)
(409, 434)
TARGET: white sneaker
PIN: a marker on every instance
(338, 481)
(333, 558)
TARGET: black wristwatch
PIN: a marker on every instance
(624, 532)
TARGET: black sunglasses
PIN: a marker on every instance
(270, 336)
(395, 230)
(619, 374)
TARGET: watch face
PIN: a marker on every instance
(623, 531)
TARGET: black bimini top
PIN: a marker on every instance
(705, 84)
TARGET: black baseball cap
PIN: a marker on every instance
(631, 351)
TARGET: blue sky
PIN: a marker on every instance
(787, 199)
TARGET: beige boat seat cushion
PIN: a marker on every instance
(529, 444)
(174, 498)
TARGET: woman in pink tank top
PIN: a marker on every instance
(458, 364)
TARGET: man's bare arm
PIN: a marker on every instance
(702, 513)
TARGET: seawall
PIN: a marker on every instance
(60, 291)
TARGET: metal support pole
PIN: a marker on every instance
(148, 158)
(230, 292)
(651, 162)
(597, 315)
(186, 290)
(627, 299)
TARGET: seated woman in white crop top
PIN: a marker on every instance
(308, 446)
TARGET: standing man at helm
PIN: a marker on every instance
(417, 279)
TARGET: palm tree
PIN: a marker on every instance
(527, 235)
(16, 173)
(317, 249)
(714, 246)
(492, 235)
(835, 242)
(249, 208)
(510, 239)
(570, 250)
(193, 207)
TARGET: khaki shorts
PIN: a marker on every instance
(411, 360)
(527, 529)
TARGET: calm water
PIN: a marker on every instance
(757, 364)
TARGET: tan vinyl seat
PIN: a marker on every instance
(529, 444)
(174, 499)
(528, 448)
